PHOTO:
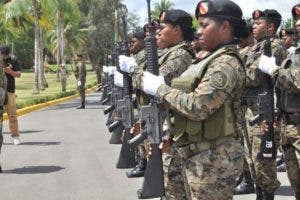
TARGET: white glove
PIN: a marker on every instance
(112, 70)
(105, 69)
(267, 64)
(291, 49)
(79, 83)
(127, 64)
(151, 83)
(118, 79)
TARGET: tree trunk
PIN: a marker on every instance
(36, 89)
(41, 61)
(60, 44)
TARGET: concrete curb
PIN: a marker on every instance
(32, 108)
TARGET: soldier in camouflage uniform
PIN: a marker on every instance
(80, 75)
(287, 79)
(244, 183)
(263, 171)
(174, 34)
(63, 74)
(138, 52)
(3, 83)
(206, 102)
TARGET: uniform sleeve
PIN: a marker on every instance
(137, 76)
(176, 64)
(215, 88)
(254, 76)
(82, 72)
(289, 79)
(76, 71)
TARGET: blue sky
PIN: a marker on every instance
(284, 7)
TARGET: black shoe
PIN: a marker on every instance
(246, 186)
(81, 107)
(0, 169)
(139, 169)
(239, 179)
(267, 195)
(282, 167)
(259, 195)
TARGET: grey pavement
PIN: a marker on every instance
(65, 155)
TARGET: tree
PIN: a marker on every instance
(162, 5)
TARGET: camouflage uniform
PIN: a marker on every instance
(208, 91)
(288, 80)
(263, 172)
(140, 58)
(172, 62)
(63, 74)
(80, 75)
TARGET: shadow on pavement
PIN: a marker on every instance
(36, 143)
(41, 143)
(25, 132)
(285, 191)
(34, 170)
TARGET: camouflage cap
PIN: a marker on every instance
(296, 11)
(176, 17)
(266, 14)
(220, 9)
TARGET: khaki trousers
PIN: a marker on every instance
(11, 110)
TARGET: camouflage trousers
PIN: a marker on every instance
(290, 140)
(173, 176)
(208, 175)
(263, 172)
(81, 90)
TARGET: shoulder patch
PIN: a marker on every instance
(219, 80)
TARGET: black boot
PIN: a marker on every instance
(239, 179)
(0, 169)
(267, 195)
(138, 170)
(259, 195)
(82, 106)
(246, 186)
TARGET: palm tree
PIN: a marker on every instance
(160, 6)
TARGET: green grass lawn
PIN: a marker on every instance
(24, 86)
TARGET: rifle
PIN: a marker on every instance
(266, 108)
(153, 184)
(125, 106)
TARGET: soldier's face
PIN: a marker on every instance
(209, 34)
(259, 29)
(136, 45)
(166, 35)
(297, 25)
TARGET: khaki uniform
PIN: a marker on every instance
(80, 75)
(63, 74)
(288, 81)
(263, 172)
(172, 62)
(206, 94)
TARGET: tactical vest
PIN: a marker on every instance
(290, 102)
(218, 125)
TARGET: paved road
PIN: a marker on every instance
(65, 155)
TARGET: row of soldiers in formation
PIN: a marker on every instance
(207, 141)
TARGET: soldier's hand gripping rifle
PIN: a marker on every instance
(266, 108)
(125, 106)
(153, 184)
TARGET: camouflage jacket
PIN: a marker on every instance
(80, 72)
(140, 58)
(224, 80)
(173, 62)
(288, 75)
